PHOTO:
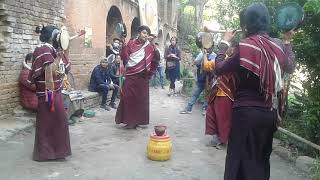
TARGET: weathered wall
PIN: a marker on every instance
(17, 38)
(93, 14)
(167, 11)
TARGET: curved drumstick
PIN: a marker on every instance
(207, 29)
(82, 32)
(223, 31)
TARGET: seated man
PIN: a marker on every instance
(73, 100)
(115, 70)
(73, 104)
(101, 82)
(28, 97)
(114, 48)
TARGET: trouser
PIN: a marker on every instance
(218, 118)
(104, 89)
(195, 95)
(160, 70)
(250, 144)
(172, 84)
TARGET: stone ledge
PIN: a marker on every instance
(10, 128)
(91, 99)
(303, 163)
(89, 94)
(23, 120)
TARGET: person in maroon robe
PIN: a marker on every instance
(259, 62)
(220, 100)
(28, 97)
(52, 141)
(139, 59)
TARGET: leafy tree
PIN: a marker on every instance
(190, 23)
(307, 45)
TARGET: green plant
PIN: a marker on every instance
(155, 81)
(188, 81)
(187, 32)
(298, 121)
(315, 170)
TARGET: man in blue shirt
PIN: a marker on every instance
(101, 82)
(201, 83)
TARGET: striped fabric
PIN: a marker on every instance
(44, 54)
(227, 84)
(260, 55)
(138, 56)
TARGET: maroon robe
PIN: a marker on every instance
(28, 98)
(253, 119)
(52, 132)
(133, 109)
(218, 116)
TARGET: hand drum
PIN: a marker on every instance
(289, 16)
(204, 40)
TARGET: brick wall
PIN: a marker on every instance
(93, 14)
(17, 38)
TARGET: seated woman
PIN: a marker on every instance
(28, 97)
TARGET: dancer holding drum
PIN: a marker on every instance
(259, 62)
(52, 140)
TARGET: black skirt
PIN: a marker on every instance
(250, 144)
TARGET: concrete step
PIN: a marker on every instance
(22, 119)
(21, 112)
(11, 127)
(26, 119)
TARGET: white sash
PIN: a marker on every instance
(137, 56)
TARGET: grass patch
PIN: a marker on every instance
(315, 170)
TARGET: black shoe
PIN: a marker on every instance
(129, 127)
(71, 121)
(185, 111)
(113, 105)
(105, 107)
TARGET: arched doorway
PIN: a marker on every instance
(161, 5)
(169, 12)
(160, 38)
(114, 17)
(134, 27)
(167, 42)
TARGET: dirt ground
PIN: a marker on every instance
(101, 150)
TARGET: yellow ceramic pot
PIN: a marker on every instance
(159, 148)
